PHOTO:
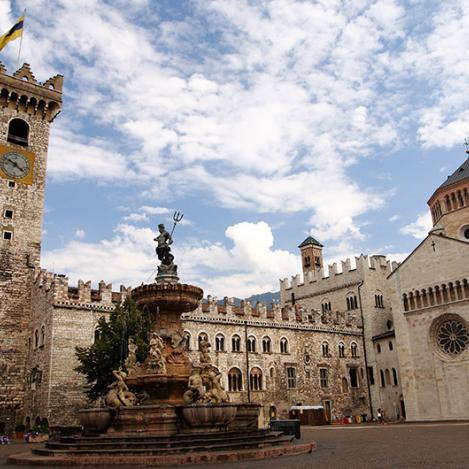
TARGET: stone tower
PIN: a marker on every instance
(449, 204)
(311, 255)
(27, 109)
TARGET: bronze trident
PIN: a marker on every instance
(177, 217)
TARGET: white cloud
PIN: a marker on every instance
(154, 210)
(292, 96)
(420, 227)
(251, 265)
(79, 233)
(70, 158)
(394, 218)
(136, 217)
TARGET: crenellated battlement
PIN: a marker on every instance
(272, 315)
(59, 293)
(346, 273)
(22, 92)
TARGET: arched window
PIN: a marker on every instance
(266, 345)
(202, 336)
(220, 343)
(381, 375)
(390, 345)
(325, 349)
(379, 303)
(352, 301)
(378, 348)
(236, 343)
(255, 379)
(326, 305)
(283, 345)
(36, 338)
(388, 376)
(354, 349)
(341, 350)
(42, 338)
(18, 132)
(187, 339)
(235, 380)
(251, 344)
(394, 376)
(97, 335)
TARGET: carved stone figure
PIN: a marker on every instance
(216, 394)
(205, 386)
(131, 364)
(118, 392)
(204, 347)
(196, 390)
(156, 361)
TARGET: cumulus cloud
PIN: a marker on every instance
(248, 263)
(293, 94)
(420, 227)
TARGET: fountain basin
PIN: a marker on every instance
(209, 415)
(95, 419)
(178, 297)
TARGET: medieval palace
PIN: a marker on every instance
(352, 338)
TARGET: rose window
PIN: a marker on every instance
(452, 337)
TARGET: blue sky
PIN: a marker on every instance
(262, 121)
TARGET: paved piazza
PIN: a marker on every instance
(433, 445)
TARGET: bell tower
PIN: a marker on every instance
(311, 255)
(27, 110)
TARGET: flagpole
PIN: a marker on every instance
(21, 41)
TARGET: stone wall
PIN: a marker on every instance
(21, 96)
(349, 296)
(305, 339)
(69, 316)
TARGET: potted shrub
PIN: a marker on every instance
(19, 431)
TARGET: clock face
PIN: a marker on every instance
(15, 165)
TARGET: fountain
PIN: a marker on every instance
(166, 410)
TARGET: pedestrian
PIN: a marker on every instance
(380, 416)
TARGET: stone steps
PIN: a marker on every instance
(129, 437)
(159, 442)
(161, 449)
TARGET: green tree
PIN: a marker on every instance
(110, 349)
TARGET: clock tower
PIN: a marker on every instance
(27, 109)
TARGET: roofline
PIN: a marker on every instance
(442, 188)
(426, 237)
(384, 335)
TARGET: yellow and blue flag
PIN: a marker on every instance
(14, 33)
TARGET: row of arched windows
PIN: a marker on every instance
(385, 376)
(39, 338)
(235, 380)
(341, 348)
(452, 201)
(221, 346)
(436, 295)
(352, 302)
